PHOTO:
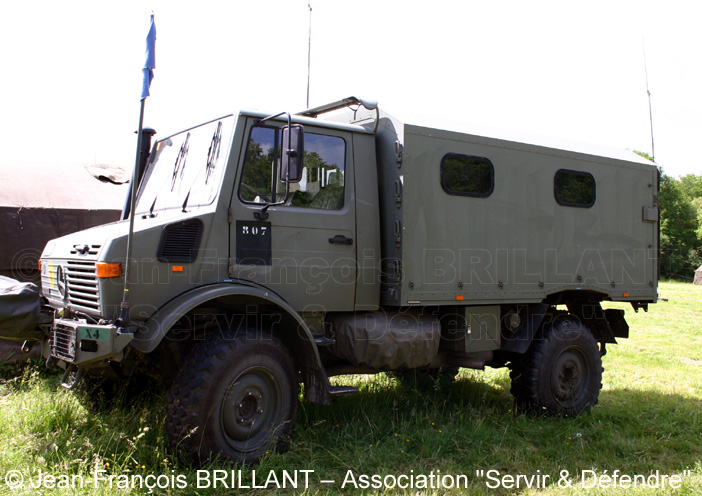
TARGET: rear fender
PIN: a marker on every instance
(520, 340)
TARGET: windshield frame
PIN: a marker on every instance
(195, 179)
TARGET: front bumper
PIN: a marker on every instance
(78, 343)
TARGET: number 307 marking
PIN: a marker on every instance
(254, 230)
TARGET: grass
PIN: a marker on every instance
(649, 419)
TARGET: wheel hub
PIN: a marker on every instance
(248, 409)
(568, 375)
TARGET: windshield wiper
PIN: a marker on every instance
(213, 153)
(151, 210)
(179, 166)
(212, 156)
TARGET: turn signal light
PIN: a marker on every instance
(105, 270)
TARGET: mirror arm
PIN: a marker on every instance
(263, 213)
(270, 117)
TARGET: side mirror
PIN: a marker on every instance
(293, 151)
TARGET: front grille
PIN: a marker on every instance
(81, 284)
(63, 342)
(81, 280)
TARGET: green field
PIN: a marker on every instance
(648, 422)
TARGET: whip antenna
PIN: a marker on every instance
(650, 112)
(309, 55)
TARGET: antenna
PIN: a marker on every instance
(650, 112)
(309, 55)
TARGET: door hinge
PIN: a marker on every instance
(398, 193)
(231, 215)
(398, 153)
(398, 233)
(396, 271)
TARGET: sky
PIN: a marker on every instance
(71, 71)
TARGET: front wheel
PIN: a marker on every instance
(561, 373)
(235, 396)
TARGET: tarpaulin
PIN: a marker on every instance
(20, 305)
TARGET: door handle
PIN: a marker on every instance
(340, 239)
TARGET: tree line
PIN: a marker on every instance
(680, 203)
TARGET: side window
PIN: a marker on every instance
(464, 175)
(574, 188)
(322, 183)
(257, 182)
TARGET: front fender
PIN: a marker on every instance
(156, 327)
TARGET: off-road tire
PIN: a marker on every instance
(561, 372)
(235, 396)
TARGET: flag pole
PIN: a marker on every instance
(124, 306)
(149, 65)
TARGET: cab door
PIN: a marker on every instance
(299, 239)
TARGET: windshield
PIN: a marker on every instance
(185, 170)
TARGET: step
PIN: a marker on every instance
(321, 340)
(342, 390)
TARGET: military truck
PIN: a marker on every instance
(271, 251)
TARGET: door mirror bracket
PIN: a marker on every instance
(292, 154)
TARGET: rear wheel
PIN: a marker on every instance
(561, 373)
(235, 396)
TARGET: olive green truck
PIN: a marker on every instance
(274, 251)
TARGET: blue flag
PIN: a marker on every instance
(150, 63)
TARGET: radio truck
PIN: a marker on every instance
(270, 251)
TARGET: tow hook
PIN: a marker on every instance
(71, 377)
(27, 346)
